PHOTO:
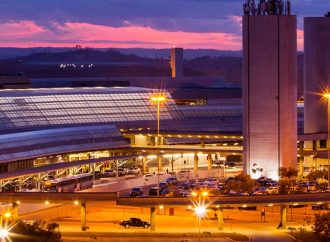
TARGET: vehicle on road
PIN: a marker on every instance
(134, 222)
(69, 183)
(136, 191)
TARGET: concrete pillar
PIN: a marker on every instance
(39, 182)
(15, 211)
(220, 218)
(301, 167)
(117, 169)
(144, 165)
(209, 162)
(283, 217)
(20, 184)
(160, 162)
(83, 216)
(202, 142)
(94, 167)
(196, 166)
(152, 219)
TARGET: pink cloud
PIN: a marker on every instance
(28, 34)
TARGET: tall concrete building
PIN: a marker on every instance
(316, 82)
(176, 62)
(269, 90)
(316, 72)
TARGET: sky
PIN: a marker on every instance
(206, 24)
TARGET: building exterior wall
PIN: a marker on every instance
(316, 72)
(177, 62)
(269, 94)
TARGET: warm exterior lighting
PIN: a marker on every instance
(326, 95)
(7, 215)
(205, 194)
(270, 205)
(18, 202)
(200, 211)
(3, 233)
(158, 98)
(46, 202)
(76, 202)
(194, 194)
(161, 207)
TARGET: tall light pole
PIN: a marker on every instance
(327, 96)
(158, 99)
(200, 208)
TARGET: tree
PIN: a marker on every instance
(285, 186)
(321, 227)
(288, 172)
(36, 232)
(317, 174)
(242, 183)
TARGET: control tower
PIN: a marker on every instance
(176, 62)
(269, 87)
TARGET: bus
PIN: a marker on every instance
(71, 183)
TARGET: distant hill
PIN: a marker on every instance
(8, 53)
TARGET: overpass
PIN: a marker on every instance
(215, 202)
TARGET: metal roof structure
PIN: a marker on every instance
(34, 144)
(35, 109)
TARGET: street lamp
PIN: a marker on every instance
(4, 232)
(327, 96)
(158, 99)
(200, 208)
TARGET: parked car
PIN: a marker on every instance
(109, 173)
(153, 191)
(171, 180)
(136, 191)
(134, 222)
(272, 190)
(148, 175)
(122, 172)
(320, 206)
(133, 170)
(232, 193)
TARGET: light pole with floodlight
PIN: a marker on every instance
(200, 208)
(158, 99)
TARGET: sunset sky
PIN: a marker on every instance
(211, 24)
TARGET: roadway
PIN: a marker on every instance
(103, 219)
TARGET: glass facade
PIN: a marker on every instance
(30, 109)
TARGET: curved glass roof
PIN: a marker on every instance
(39, 108)
(34, 144)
